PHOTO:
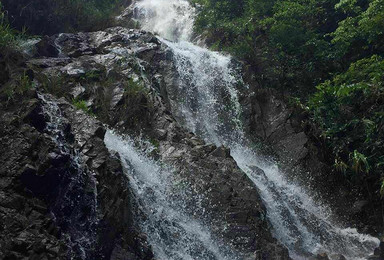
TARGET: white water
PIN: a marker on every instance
(172, 20)
(206, 102)
(172, 232)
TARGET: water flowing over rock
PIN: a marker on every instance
(121, 75)
(177, 178)
(173, 20)
(183, 223)
(206, 101)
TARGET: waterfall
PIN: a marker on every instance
(172, 20)
(173, 233)
(206, 102)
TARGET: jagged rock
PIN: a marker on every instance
(47, 47)
(23, 152)
(77, 91)
(47, 189)
(379, 253)
(221, 152)
(269, 119)
(49, 62)
(117, 96)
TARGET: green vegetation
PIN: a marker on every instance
(16, 88)
(327, 56)
(7, 35)
(135, 88)
(81, 105)
(294, 44)
(54, 84)
(349, 109)
(92, 75)
(49, 17)
(20, 82)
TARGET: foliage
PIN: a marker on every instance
(8, 37)
(50, 17)
(326, 54)
(18, 87)
(92, 75)
(283, 41)
(135, 88)
(81, 105)
(350, 112)
(362, 29)
(294, 44)
(54, 84)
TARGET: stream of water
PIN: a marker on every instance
(206, 102)
(173, 233)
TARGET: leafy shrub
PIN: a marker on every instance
(362, 27)
(81, 105)
(349, 109)
(294, 44)
(284, 42)
(50, 17)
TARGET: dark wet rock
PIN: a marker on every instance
(270, 120)
(288, 136)
(379, 252)
(49, 185)
(22, 214)
(117, 97)
(381, 247)
(4, 73)
(359, 206)
(322, 256)
(47, 47)
(221, 152)
(77, 91)
(229, 199)
(49, 62)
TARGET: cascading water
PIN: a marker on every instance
(172, 232)
(206, 102)
(172, 19)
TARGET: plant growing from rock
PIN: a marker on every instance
(82, 105)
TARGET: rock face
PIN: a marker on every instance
(62, 195)
(271, 121)
(303, 155)
(235, 211)
(66, 196)
(103, 68)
